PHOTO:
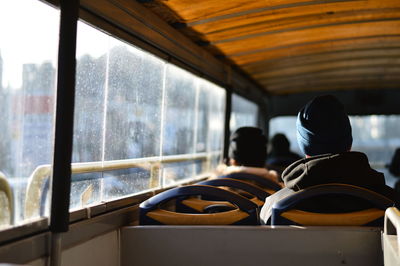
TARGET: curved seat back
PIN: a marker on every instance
(256, 191)
(245, 213)
(259, 180)
(6, 202)
(284, 212)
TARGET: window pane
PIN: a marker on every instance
(179, 122)
(203, 116)
(216, 123)
(179, 112)
(122, 182)
(210, 125)
(175, 172)
(134, 111)
(91, 75)
(28, 59)
(117, 116)
(216, 118)
(133, 103)
(244, 113)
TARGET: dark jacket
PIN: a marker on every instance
(348, 168)
(279, 161)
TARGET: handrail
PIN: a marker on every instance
(392, 222)
(153, 164)
(391, 238)
(6, 188)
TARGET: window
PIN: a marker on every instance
(244, 113)
(376, 135)
(140, 123)
(27, 96)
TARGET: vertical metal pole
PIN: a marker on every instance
(266, 117)
(227, 133)
(263, 117)
(55, 252)
(61, 180)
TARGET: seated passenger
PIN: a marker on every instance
(280, 156)
(247, 154)
(394, 166)
(324, 136)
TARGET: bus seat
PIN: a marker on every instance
(34, 197)
(269, 186)
(284, 212)
(258, 194)
(245, 212)
(6, 202)
(390, 237)
(252, 192)
(196, 205)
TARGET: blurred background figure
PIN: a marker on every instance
(279, 155)
(394, 168)
(247, 154)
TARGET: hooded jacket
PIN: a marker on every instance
(347, 168)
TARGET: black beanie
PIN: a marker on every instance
(248, 147)
(323, 127)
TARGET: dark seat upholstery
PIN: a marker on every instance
(290, 210)
(255, 179)
(244, 212)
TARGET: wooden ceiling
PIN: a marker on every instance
(292, 46)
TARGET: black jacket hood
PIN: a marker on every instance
(348, 168)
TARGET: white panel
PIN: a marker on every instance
(250, 245)
(390, 238)
(100, 251)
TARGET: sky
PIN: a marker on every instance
(29, 34)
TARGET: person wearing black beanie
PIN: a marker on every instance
(323, 127)
(248, 147)
(247, 154)
(324, 136)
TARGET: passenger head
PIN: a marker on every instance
(248, 147)
(279, 144)
(323, 127)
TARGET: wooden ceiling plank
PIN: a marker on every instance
(192, 11)
(317, 20)
(371, 71)
(310, 35)
(335, 80)
(301, 64)
(266, 10)
(320, 57)
(319, 68)
(273, 16)
(329, 86)
(308, 48)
